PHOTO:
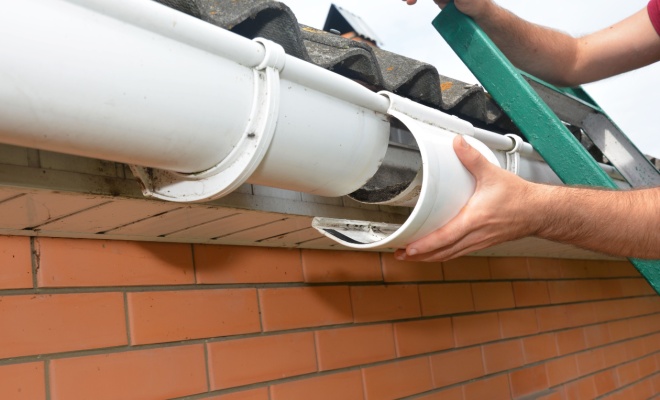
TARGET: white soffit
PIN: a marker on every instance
(56, 195)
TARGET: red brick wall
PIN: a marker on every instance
(89, 319)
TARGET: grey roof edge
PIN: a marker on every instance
(376, 68)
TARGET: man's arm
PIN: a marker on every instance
(505, 207)
(559, 58)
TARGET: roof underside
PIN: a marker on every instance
(50, 194)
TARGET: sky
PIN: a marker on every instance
(631, 99)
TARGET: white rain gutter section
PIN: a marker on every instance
(198, 110)
(444, 189)
(137, 82)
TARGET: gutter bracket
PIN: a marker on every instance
(248, 152)
(513, 155)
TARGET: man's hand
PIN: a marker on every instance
(499, 211)
(505, 207)
(440, 3)
(473, 8)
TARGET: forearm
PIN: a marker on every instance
(543, 52)
(561, 59)
(622, 223)
(505, 207)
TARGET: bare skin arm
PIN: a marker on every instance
(559, 58)
(505, 207)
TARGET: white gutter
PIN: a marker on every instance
(197, 110)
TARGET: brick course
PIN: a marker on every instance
(15, 263)
(111, 319)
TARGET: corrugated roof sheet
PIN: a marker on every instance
(376, 68)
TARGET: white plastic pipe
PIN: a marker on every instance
(82, 82)
(442, 187)
(199, 110)
(140, 83)
(160, 79)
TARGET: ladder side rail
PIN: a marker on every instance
(540, 125)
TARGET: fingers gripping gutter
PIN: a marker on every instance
(487, 219)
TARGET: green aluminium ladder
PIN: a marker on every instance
(538, 109)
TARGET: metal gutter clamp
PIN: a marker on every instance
(444, 189)
(247, 154)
